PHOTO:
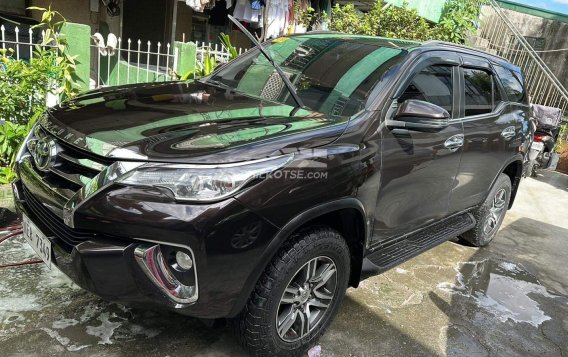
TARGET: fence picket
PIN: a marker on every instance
(138, 63)
(17, 31)
(3, 30)
(158, 61)
(148, 63)
(31, 34)
(128, 64)
(118, 61)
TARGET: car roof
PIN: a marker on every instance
(413, 45)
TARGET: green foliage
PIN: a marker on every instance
(25, 84)
(397, 22)
(204, 68)
(347, 19)
(11, 136)
(383, 20)
(309, 18)
(459, 19)
(226, 42)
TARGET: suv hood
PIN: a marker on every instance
(191, 122)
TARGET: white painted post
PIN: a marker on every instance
(108, 68)
(158, 62)
(167, 61)
(128, 65)
(17, 30)
(98, 67)
(138, 64)
(148, 63)
(31, 33)
(118, 61)
(2, 29)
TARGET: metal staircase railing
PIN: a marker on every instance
(498, 35)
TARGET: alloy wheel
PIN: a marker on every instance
(495, 212)
(306, 299)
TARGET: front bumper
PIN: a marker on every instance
(99, 254)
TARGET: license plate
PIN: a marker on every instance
(37, 240)
(537, 146)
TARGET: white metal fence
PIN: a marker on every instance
(117, 63)
(20, 44)
(221, 54)
(114, 61)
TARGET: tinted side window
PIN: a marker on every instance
(513, 84)
(478, 91)
(433, 84)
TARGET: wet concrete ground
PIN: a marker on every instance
(508, 299)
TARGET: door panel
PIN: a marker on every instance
(419, 168)
(490, 139)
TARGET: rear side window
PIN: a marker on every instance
(478, 92)
(433, 84)
(513, 84)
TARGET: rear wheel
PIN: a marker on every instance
(297, 296)
(490, 214)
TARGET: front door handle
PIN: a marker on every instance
(454, 143)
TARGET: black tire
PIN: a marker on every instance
(486, 215)
(256, 326)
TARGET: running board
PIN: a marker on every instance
(412, 245)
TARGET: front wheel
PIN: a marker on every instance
(490, 214)
(297, 296)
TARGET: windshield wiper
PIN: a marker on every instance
(289, 85)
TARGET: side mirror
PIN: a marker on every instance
(420, 116)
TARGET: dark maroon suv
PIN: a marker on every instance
(256, 193)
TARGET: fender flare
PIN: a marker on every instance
(518, 157)
(284, 233)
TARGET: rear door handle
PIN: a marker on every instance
(509, 132)
(454, 143)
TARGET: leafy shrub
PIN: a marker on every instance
(208, 64)
(459, 19)
(382, 20)
(11, 136)
(24, 85)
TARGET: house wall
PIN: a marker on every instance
(555, 34)
(79, 11)
(13, 6)
(183, 22)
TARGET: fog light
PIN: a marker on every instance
(183, 260)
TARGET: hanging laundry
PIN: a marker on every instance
(277, 15)
(244, 12)
(200, 5)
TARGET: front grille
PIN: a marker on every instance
(72, 168)
(69, 236)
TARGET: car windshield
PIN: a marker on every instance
(332, 74)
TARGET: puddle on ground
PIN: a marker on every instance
(34, 297)
(504, 289)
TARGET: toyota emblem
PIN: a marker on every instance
(43, 150)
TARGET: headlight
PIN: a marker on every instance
(202, 183)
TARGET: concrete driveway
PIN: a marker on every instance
(507, 299)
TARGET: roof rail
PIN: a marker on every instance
(450, 44)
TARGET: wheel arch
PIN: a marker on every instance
(514, 170)
(346, 215)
